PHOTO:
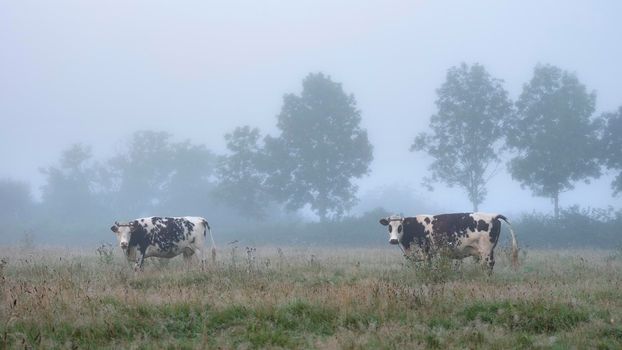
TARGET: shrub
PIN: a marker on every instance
(575, 227)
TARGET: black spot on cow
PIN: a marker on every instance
(427, 220)
(139, 237)
(206, 226)
(495, 232)
(414, 232)
(447, 228)
(189, 225)
(482, 225)
(167, 232)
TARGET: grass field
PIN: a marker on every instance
(310, 298)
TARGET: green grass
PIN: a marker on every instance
(320, 298)
(536, 316)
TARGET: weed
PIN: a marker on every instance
(3, 263)
(233, 253)
(27, 242)
(616, 254)
(105, 251)
(250, 259)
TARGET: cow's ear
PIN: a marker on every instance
(114, 229)
(384, 222)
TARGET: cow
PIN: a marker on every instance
(457, 235)
(163, 237)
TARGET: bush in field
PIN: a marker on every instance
(575, 227)
(438, 269)
(362, 230)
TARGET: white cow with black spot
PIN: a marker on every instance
(457, 235)
(163, 237)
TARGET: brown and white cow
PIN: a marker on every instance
(458, 235)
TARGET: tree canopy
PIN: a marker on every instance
(71, 184)
(320, 150)
(472, 106)
(553, 133)
(155, 174)
(242, 175)
(612, 146)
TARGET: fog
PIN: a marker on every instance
(95, 72)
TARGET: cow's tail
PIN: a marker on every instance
(209, 229)
(514, 257)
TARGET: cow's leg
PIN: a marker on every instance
(139, 261)
(488, 262)
(457, 264)
(200, 254)
(188, 256)
(198, 247)
(428, 259)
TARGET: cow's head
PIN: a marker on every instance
(396, 229)
(124, 233)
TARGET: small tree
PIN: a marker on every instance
(611, 153)
(241, 174)
(320, 150)
(553, 134)
(472, 106)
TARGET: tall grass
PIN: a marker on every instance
(264, 297)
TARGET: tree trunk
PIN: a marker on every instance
(472, 191)
(322, 214)
(556, 203)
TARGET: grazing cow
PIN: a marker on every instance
(457, 235)
(163, 238)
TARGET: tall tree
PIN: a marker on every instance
(71, 185)
(553, 133)
(189, 187)
(320, 150)
(611, 153)
(472, 106)
(242, 175)
(154, 174)
(140, 173)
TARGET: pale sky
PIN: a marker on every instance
(94, 72)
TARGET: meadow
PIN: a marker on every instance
(292, 297)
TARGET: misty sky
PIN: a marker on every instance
(94, 72)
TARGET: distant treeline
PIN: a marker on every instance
(549, 140)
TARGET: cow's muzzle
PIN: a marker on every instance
(393, 241)
(124, 245)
